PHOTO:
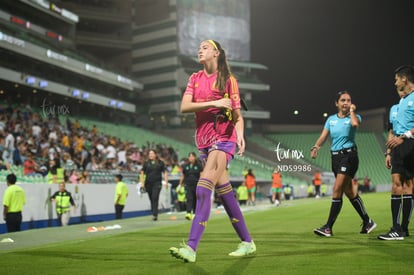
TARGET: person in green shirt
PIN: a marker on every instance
(14, 199)
(287, 191)
(121, 193)
(181, 197)
(242, 193)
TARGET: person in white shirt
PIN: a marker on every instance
(121, 157)
(110, 154)
(36, 130)
(53, 136)
(8, 147)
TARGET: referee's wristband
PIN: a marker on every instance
(315, 147)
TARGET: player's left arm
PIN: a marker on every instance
(239, 126)
(234, 95)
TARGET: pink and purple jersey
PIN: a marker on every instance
(202, 88)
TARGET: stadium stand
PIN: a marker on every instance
(124, 134)
(140, 137)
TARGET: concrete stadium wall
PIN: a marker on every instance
(94, 202)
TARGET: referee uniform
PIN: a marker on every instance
(402, 167)
(402, 158)
(345, 161)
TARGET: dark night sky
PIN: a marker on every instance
(315, 48)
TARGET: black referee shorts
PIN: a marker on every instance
(402, 159)
(345, 163)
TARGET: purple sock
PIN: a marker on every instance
(225, 192)
(203, 207)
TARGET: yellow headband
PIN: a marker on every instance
(213, 43)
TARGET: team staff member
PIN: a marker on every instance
(152, 170)
(400, 155)
(121, 194)
(190, 176)
(342, 128)
(64, 201)
(14, 199)
(213, 95)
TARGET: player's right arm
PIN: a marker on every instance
(319, 142)
(188, 106)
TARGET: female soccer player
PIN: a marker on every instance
(213, 95)
(342, 127)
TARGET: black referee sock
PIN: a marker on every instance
(407, 209)
(358, 204)
(396, 205)
(336, 206)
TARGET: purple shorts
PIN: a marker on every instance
(226, 146)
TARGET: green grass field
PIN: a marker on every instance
(283, 236)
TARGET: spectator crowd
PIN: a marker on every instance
(64, 151)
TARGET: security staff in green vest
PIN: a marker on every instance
(181, 197)
(55, 173)
(121, 194)
(64, 201)
(287, 191)
(14, 199)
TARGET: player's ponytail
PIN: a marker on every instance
(224, 72)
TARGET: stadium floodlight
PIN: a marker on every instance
(85, 95)
(30, 80)
(76, 93)
(43, 83)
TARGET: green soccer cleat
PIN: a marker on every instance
(185, 252)
(189, 216)
(244, 249)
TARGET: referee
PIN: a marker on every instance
(13, 201)
(400, 155)
(342, 128)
